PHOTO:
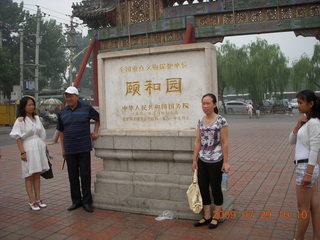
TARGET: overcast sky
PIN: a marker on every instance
(293, 47)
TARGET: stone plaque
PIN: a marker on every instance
(155, 89)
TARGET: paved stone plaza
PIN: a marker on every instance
(261, 181)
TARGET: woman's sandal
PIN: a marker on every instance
(206, 221)
(213, 225)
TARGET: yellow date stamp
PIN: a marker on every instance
(259, 214)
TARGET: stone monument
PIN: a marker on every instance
(150, 101)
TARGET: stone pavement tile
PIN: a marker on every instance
(41, 234)
(165, 225)
(74, 238)
(258, 238)
(99, 226)
(3, 233)
(287, 217)
(54, 227)
(26, 230)
(178, 230)
(261, 232)
(283, 234)
(85, 234)
(57, 236)
(80, 225)
(68, 231)
(45, 222)
(166, 236)
(112, 231)
(239, 233)
(13, 236)
(12, 228)
(148, 235)
(29, 238)
(148, 219)
(291, 205)
(204, 233)
(127, 235)
(248, 223)
(3, 224)
(266, 223)
(285, 226)
(190, 238)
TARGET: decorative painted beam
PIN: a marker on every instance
(257, 27)
(143, 28)
(226, 6)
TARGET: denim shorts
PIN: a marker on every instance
(301, 168)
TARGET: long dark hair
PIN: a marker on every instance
(309, 96)
(214, 100)
(22, 106)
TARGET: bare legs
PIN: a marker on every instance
(207, 212)
(32, 184)
(308, 202)
(315, 214)
(217, 209)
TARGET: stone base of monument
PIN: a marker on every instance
(146, 174)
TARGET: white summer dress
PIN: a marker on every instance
(33, 135)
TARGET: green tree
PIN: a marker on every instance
(302, 74)
(11, 17)
(52, 56)
(9, 72)
(267, 70)
(231, 64)
(316, 65)
(52, 53)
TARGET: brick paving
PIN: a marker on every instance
(261, 181)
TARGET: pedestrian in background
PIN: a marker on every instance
(30, 135)
(306, 137)
(290, 109)
(210, 158)
(250, 109)
(257, 107)
(75, 136)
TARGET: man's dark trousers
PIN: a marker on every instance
(80, 164)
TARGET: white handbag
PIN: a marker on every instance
(194, 195)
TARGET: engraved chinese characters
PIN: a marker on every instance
(157, 88)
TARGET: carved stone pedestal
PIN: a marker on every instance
(146, 174)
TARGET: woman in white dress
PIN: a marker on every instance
(30, 135)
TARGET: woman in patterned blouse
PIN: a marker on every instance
(210, 158)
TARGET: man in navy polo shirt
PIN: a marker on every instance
(74, 131)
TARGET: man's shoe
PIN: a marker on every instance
(74, 206)
(87, 207)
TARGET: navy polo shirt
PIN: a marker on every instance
(75, 124)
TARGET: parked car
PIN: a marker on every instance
(294, 103)
(236, 107)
